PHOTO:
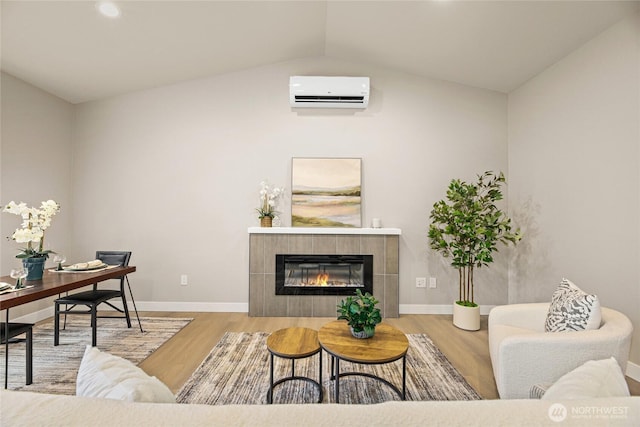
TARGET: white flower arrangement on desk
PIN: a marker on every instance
(269, 196)
(34, 223)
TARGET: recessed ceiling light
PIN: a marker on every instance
(108, 9)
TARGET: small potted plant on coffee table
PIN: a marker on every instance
(361, 314)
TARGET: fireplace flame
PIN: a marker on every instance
(322, 279)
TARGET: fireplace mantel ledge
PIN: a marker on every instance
(324, 230)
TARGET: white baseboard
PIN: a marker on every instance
(633, 371)
(35, 317)
(436, 309)
(238, 307)
(206, 307)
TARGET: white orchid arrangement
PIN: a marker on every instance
(34, 222)
(269, 196)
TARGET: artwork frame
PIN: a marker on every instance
(326, 192)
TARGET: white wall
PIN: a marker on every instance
(574, 162)
(173, 173)
(36, 164)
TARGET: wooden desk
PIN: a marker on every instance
(50, 285)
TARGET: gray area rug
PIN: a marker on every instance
(237, 372)
(55, 368)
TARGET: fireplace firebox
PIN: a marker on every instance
(323, 274)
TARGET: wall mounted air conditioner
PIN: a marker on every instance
(328, 92)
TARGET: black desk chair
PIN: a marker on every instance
(16, 329)
(93, 298)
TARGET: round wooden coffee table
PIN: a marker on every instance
(293, 343)
(386, 346)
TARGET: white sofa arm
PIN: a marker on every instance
(526, 316)
(523, 357)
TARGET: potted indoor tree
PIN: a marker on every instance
(466, 227)
(361, 314)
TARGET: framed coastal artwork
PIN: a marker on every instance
(326, 192)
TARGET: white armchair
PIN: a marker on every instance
(523, 354)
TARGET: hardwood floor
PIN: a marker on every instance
(178, 358)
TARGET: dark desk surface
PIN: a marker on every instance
(55, 283)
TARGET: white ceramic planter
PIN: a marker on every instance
(467, 318)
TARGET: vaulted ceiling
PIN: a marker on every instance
(69, 49)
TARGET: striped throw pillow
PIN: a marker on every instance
(572, 309)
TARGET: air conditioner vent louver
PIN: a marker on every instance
(328, 92)
(319, 98)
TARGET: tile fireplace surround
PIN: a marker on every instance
(265, 243)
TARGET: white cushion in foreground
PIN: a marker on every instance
(596, 378)
(112, 377)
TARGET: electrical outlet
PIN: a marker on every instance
(183, 280)
(432, 282)
(421, 282)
